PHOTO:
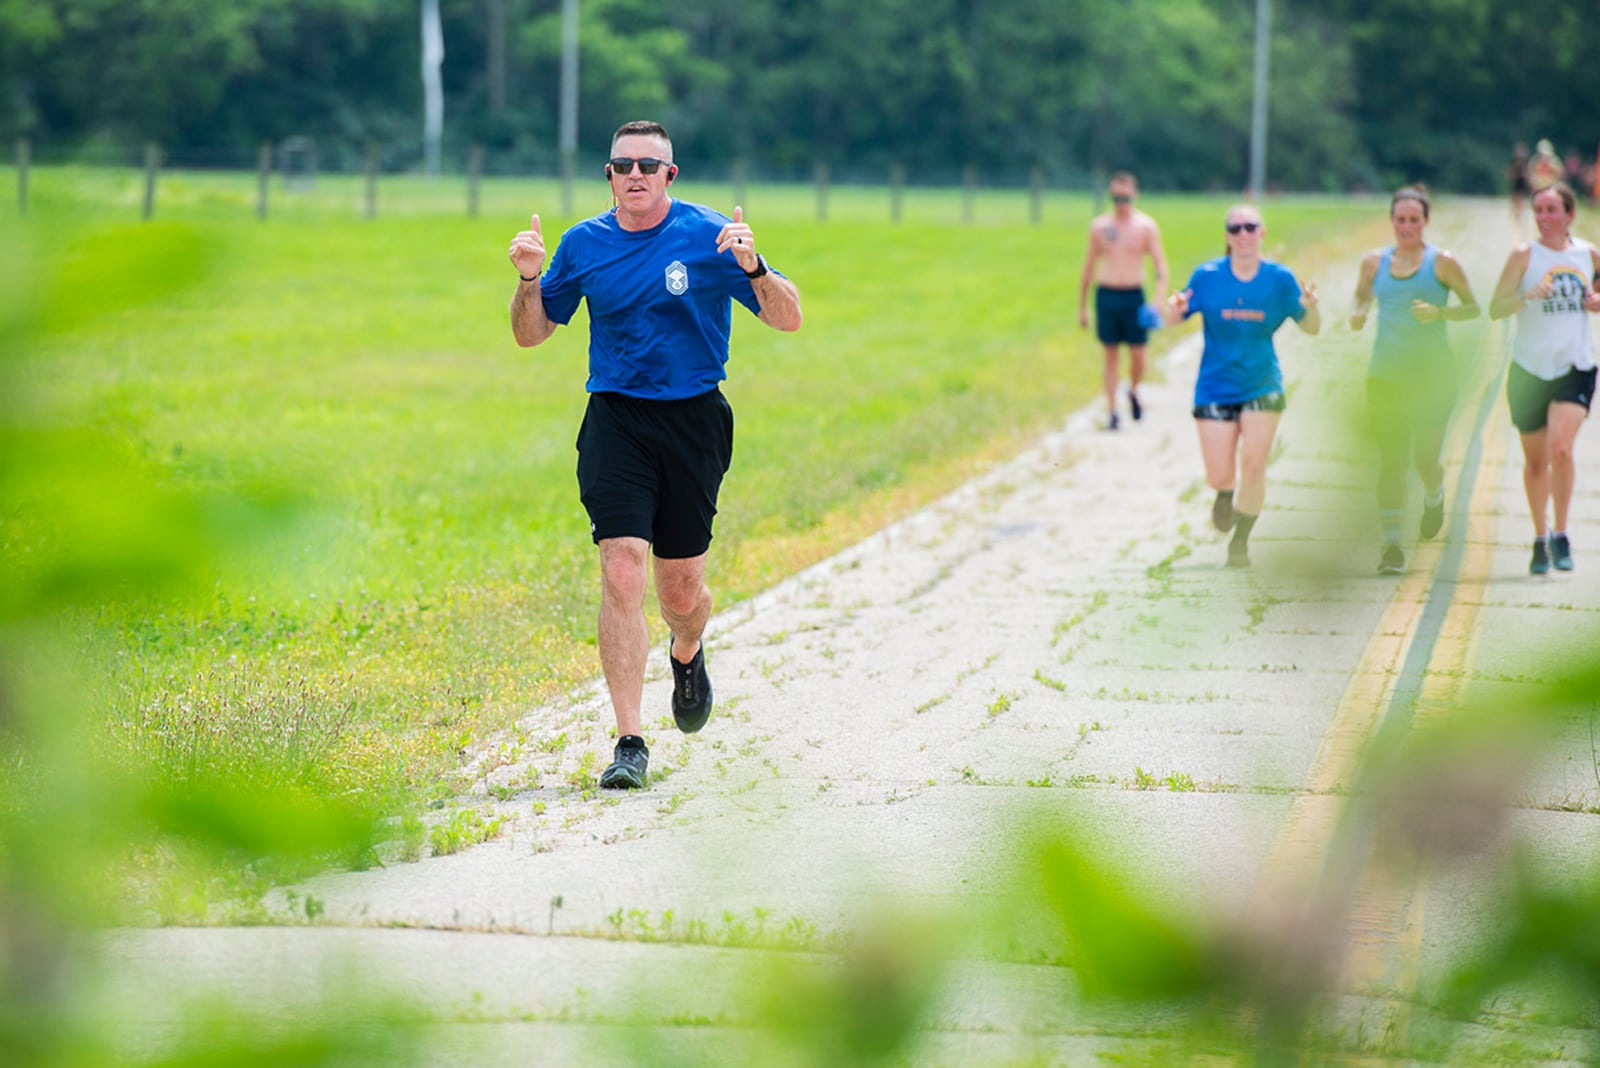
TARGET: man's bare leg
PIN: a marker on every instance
(1110, 382)
(1135, 376)
(624, 635)
(685, 603)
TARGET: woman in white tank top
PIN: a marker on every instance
(1549, 284)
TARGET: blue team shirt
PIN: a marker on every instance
(1239, 363)
(1403, 345)
(660, 301)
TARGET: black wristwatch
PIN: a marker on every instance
(761, 269)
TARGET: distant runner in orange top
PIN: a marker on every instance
(1544, 170)
(1119, 241)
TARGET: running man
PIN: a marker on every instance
(660, 276)
(1517, 180)
(1122, 238)
(1549, 284)
(1412, 377)
(1238, 394)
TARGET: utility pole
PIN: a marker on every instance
(432, 86)
(495, 60)
(569, 101)
(1258, 106)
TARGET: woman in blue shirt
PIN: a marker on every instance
(1238, 395)
(1411, 380)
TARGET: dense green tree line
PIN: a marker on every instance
(1362, 94)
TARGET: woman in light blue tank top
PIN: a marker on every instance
(1411, 379)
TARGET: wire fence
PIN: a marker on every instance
(356, 177)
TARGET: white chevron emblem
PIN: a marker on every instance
(677, 279)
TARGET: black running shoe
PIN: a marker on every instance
(1134, 407)
(1561, 552)
(1393, 562)
(1540, 564)
(1238, 555)
(1432, 518)
(1113, 422)
(1222, 512)
(627, 770)
(691, 692)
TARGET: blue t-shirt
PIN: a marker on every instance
(1239, 363)
(1405, 346)
(660, 301)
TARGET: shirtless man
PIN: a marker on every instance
(1122, 237)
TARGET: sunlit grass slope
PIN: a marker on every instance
(441, 581)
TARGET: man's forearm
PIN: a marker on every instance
(780, 302)
(529, 324)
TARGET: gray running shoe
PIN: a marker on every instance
(1432, 518)
(1561, 552)
(691, 691)
(630, 763)
(1238, 556)
(1393, 562)
(1540, 564)
(1113, 422)
(1222, 512)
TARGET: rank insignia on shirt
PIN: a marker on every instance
(677, 279)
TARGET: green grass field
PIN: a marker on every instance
(438, 581)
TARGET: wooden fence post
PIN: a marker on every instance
(741, 178)
(474, 172)
(152, 164)
(24, 160)
(1035, 195)
(897, 189)
(969, 193)
(821, 172)
(569, 177)
(263, 176)
(372, 179)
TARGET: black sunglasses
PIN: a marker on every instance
(1244, 227)
(1121, 198)
(647, 165)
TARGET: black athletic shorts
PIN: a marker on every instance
(1398, 408)
(1229, 413)
(1116, 316)
(1530, 396)
(651, 469)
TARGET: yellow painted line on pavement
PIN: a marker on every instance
(1388, 914)
(1386, 909)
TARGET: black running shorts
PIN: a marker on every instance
(1530, 396)
(1116, 316)
(651, 469)
(1399, 410)
(1229, 413)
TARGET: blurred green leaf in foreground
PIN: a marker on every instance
(85, 522)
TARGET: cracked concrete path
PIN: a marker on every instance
(1059, 634)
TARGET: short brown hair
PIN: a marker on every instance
(641, 127)
(1124, 176)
